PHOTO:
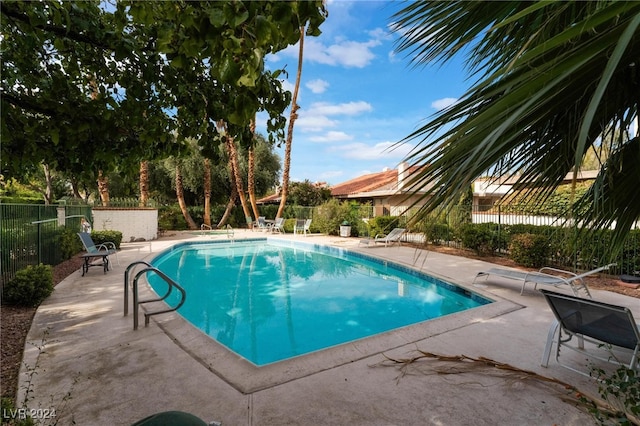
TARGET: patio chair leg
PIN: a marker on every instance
(547, 347)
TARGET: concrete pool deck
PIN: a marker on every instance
(84, 360)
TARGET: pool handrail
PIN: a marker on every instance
(126, 283)
(136, 302)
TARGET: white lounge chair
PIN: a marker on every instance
(391, 238)
(302, 226)
(605, 326)
(263, 225)
(278, 225)
(548, 276)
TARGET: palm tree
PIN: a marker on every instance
(180, 196)
(292, 118)
(103, 188)
(553, 79)
(230, 205)
(144, 183)
(207, 192)
(251, 175)
(234, 167)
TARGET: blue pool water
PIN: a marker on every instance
(270, 301)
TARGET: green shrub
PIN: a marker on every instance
(531, 250)
(383, 224)
(436, 233)
(522, 228)
(69, 243)
(30, 286)
(477, 238)
(100, 237)
(170, 218)
(330, 215)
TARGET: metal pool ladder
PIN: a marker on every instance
(136, 302)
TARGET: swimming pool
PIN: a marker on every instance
(271, 301)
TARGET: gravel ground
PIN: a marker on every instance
(16, 321)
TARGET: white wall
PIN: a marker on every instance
(134, 223)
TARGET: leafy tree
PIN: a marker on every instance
(553, 80)
(86, 87)
(307, 194)
(226, 43)
(78, 90)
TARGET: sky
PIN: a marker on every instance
(358, 96)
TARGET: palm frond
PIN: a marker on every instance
(555, 77)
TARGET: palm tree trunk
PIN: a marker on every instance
(235, 169)
(48, 191)
(207, 192)
(292, 118)
(251, 175)
(232, 152)
(230, 205)
(74, 188)
(251, 187)
(103, 182)
(103, 188)
(144, 183)
(180, 195)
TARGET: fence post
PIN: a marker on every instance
(39, 234)
(499, 226)
(62, 213)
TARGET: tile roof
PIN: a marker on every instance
(269, 199)
(371, 182)
(380, 181)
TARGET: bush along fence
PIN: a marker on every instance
(529, 240)
(32, 234)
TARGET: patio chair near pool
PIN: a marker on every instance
(96, 255)
(389, 239)
(303, 226)
(278, 225)
(610, 330)
(547, 276)
(263, 225)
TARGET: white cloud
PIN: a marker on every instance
(443, 103)
(332, 136)
(316, 117)
(348, 108)
(317, 86)
(381, 150)
(380, 34)
(350, 54)
(313, 123)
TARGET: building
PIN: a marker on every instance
(487, 191)
(388, 192)
(385, 191)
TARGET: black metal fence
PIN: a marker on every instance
(570, 246)
(30, 234)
